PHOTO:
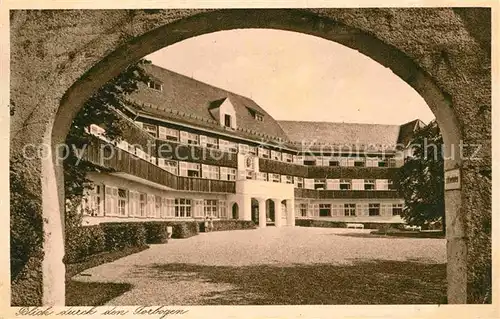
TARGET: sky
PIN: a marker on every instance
(297, 77)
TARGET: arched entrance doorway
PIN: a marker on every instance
(411, 56)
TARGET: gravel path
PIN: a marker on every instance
(216, 268)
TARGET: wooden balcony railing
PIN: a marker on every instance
(277, 167)
(115, 159)
(195, 153)
(351, 194)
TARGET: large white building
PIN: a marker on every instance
(192, 150)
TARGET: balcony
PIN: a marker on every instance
(333, 172)
(351, 172)
(341, 194)
(277, 167)
(117, 160)
(196, 153)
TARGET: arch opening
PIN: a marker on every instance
(290, 20)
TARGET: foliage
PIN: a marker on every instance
(98, 109)
(421, 178)
(121, 235)
(26, 226)
(229, 224)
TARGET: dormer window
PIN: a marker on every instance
(227, 120)
(259, 117)
(155, 85)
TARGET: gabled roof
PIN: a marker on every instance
(407, 131)
(340, 133)
(187, 100)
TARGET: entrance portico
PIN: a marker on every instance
(279, 195)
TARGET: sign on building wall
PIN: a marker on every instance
(452, 179)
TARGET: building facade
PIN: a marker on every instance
(191, 150)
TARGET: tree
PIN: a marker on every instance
(98, 109)
(421, 178)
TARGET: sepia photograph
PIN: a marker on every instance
(167, 158)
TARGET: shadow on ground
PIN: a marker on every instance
(372, 282)
(93, 293)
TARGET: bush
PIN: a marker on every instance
(229, 224)
(319, 223)
(156, 232)
(184, 229)
(82, 242)
(121, 235)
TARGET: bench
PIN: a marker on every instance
(355, 226)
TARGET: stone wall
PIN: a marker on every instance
(58, 58)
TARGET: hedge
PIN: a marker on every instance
(183, 229)
(336, 224)
(120, 235)
(231, 224)
(319, 223)
(84, 241)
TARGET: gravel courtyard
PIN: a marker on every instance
(294, 265)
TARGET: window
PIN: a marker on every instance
(390, 184)
(299, 182)
(303, 209)
(325, 210)
(111, 200)
(287, 157)
(228, 146)
(262, 152)
(155, 85)
(133, 203)
(345, 184)
(259, 117)
(168, 208)
(350, 209)
(382, 184)
(151, 205)
(210, 171)
(286, 179)
(227, 120)
(122, 202)
(382, 164)
(344, 161)
(91, 204)
(261, 176)
(157, 212)
(189, 169)
(188, 138)
(310, 160)
(222, 209)
(170, 166)
(247, 149)
(227, 174)
(142, 204)
(276, 155)
(359, 163)
(369, 184)
(371, 162)
(397, 209)
(374, 209)
(208, 141)
(298, 159)
(319, 184)
(274, 178)
(168, 133)
(151, 129)
(210, 207)
(334, 163)
(182, 207)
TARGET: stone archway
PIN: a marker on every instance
(436, 51)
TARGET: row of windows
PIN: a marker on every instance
(114, 201)
(170, 134)
(349, 209)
